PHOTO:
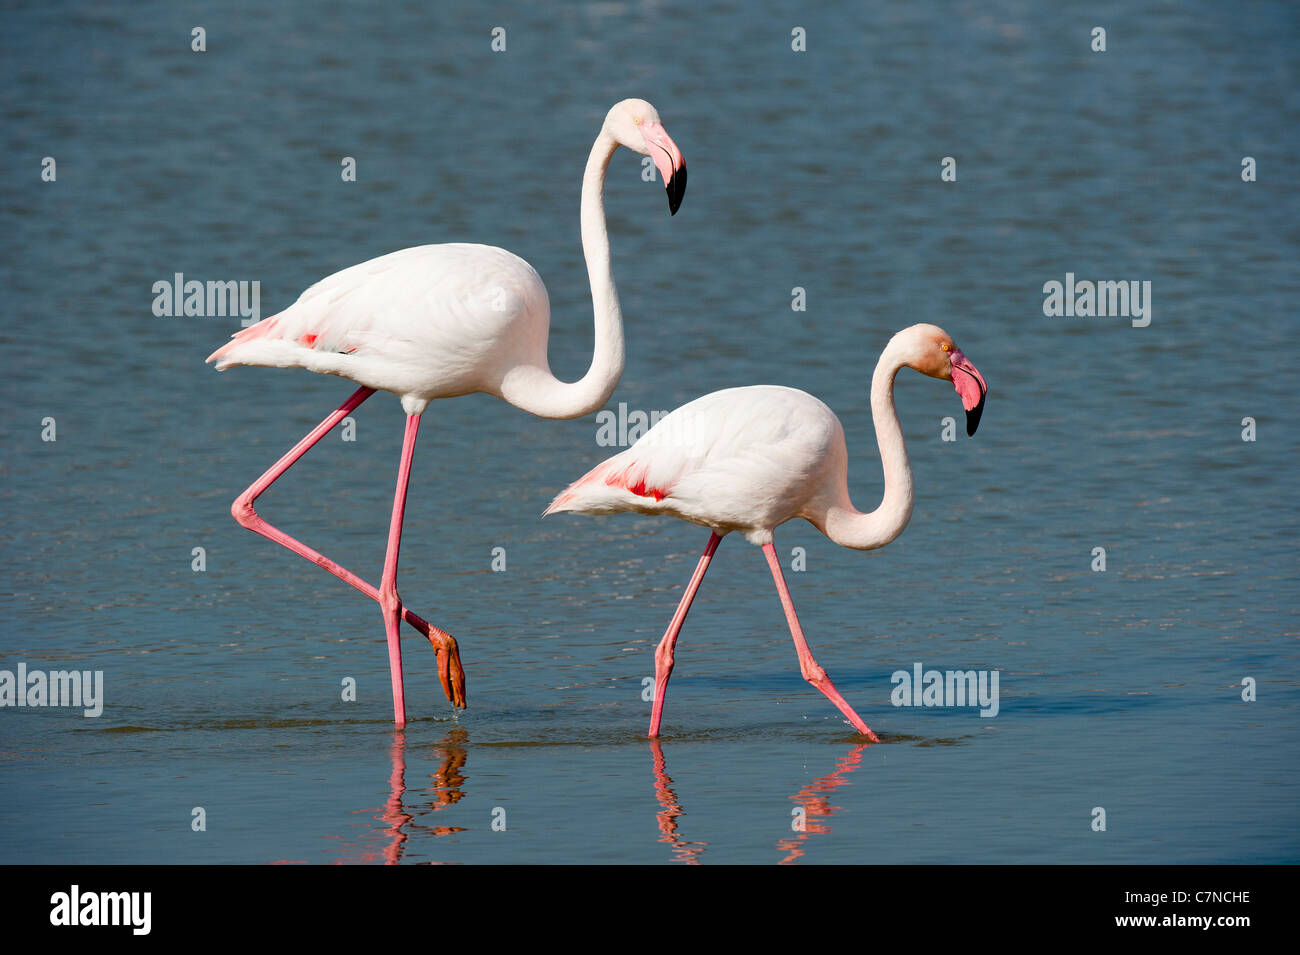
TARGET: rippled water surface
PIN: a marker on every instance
(820, 170)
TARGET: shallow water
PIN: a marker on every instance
(1118, 689)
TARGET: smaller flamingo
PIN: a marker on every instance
(749, 459)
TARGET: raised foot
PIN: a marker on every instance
(450, 671)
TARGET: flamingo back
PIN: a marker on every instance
(742, 459)
(430, 321)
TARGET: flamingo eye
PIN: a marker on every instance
(637, 121)
(944, 346)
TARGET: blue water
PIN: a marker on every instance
(1120, 690)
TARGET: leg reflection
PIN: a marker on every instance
(817, 810)
(683, 851)
(387, 842)
(449, 776)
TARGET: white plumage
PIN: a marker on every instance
(434, 321)
(742, 459)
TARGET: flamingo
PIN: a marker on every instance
(438, 321)
(750, 459)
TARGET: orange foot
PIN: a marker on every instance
(450, 671)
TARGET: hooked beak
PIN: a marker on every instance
(968, 381)
(668, 159)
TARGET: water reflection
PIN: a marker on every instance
(683, 851)
(398, 821)
(812, 799)
(817, 809)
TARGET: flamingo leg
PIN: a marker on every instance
(388, 596)
(449, 668)
(664, 654)
(812, 671)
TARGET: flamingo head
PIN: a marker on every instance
(635, 124)
(931, 351)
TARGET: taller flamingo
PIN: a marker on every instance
(437, 321)
(748, 459)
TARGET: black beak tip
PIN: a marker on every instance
(973, 416)
(676, 189)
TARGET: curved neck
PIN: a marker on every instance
(843, 523)
(536, 389)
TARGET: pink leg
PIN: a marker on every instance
(810, 668)
(449, 667)
(664, 655)
(388, 597)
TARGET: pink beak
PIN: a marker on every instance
(968, 381)
(668, 160)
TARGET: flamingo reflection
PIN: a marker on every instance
(812, 799)
(387, 841)
(687, 852)
(816, 806)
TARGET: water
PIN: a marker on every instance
(1119, 690)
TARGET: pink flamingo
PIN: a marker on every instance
(748, 459)
(437, 321)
